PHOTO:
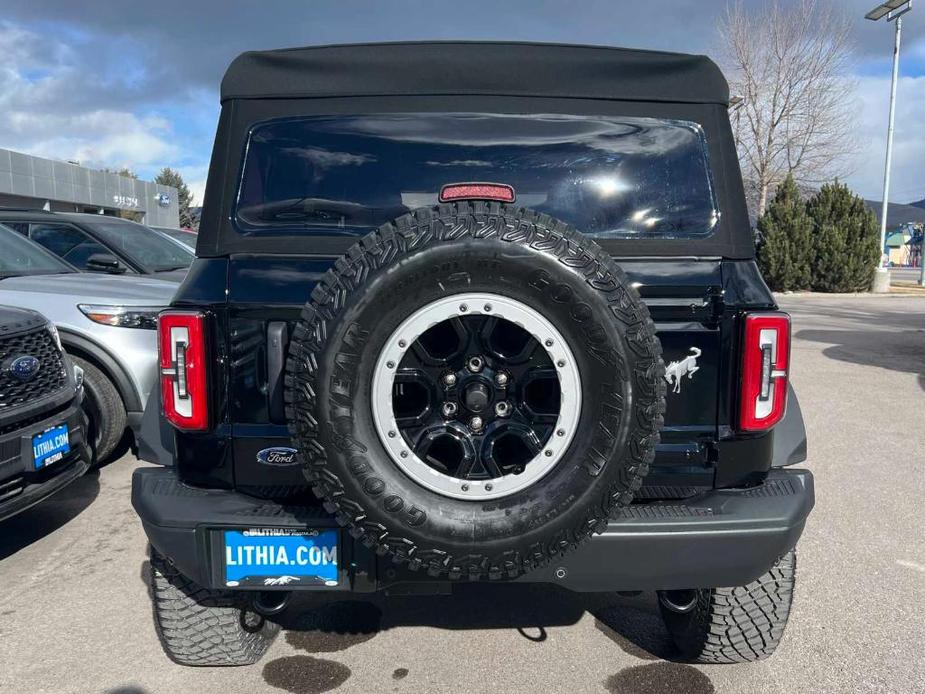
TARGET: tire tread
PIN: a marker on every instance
(112, 409)
(743, 624)
(202, 627)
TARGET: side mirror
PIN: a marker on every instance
(104, 262)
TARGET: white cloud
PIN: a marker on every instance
(40, 113)
(908, 170)
(96, 139)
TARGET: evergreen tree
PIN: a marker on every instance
(124, 171)
(169, 177)
(846, 242)
(785, 240)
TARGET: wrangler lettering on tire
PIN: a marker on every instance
(473, 389)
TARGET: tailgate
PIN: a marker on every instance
(684, 298)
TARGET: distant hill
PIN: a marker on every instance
(919, 203)
(899, 214)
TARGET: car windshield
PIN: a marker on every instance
(19, 256)
(143, 245)
(187, 238)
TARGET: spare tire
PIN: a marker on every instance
(473, 388)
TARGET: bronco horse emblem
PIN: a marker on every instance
(677, 370)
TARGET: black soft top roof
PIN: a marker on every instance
(485, 68)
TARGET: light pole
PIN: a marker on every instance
(892, 10)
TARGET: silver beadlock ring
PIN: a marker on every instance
(546, 335)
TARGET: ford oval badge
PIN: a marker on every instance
(280, 457)
(24, 368)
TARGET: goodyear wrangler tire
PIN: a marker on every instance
(473, 388)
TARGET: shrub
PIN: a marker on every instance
(785, 240)
(846, 240)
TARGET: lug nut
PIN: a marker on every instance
(502, 379)
(449, 379)
(475, 364)
(475, 423)
(448, 409)
(502, 409)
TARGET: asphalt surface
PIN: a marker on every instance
(75, 614)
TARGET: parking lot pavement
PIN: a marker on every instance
(75, 615)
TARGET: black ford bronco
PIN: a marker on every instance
(473, 312)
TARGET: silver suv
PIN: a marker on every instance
(107, 325)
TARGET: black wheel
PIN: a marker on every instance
(105, 411)
(197, 626)
(473, 389)
(732, 625)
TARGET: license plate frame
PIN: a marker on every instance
(280, 558)
(50, 446)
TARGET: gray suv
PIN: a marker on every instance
(107, 325)
(100, 243)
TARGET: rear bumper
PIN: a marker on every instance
(719, 538)
(21, 486)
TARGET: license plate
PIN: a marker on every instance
(50, 446)
(277, 557)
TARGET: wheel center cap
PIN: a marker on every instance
(477, 397)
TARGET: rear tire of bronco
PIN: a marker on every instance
(203, 627)
(732, 625)
(474, 388)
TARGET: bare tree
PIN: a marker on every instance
(790, 65)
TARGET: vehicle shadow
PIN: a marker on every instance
(322, 623)
(902, 351)
(885, 333)
(48, 515)
(885, 314)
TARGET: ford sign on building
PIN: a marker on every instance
(59, 186)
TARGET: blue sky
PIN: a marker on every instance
(136, 84)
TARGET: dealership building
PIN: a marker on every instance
(60, 186)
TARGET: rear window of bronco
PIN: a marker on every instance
(610, 177)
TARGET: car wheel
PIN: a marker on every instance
(732, 625)
(105, 411)
(203, 627)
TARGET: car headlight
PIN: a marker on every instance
(53, 331)
(144, 317)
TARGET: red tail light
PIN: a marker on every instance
(765, 368)
(182, 361)
(501, 192)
